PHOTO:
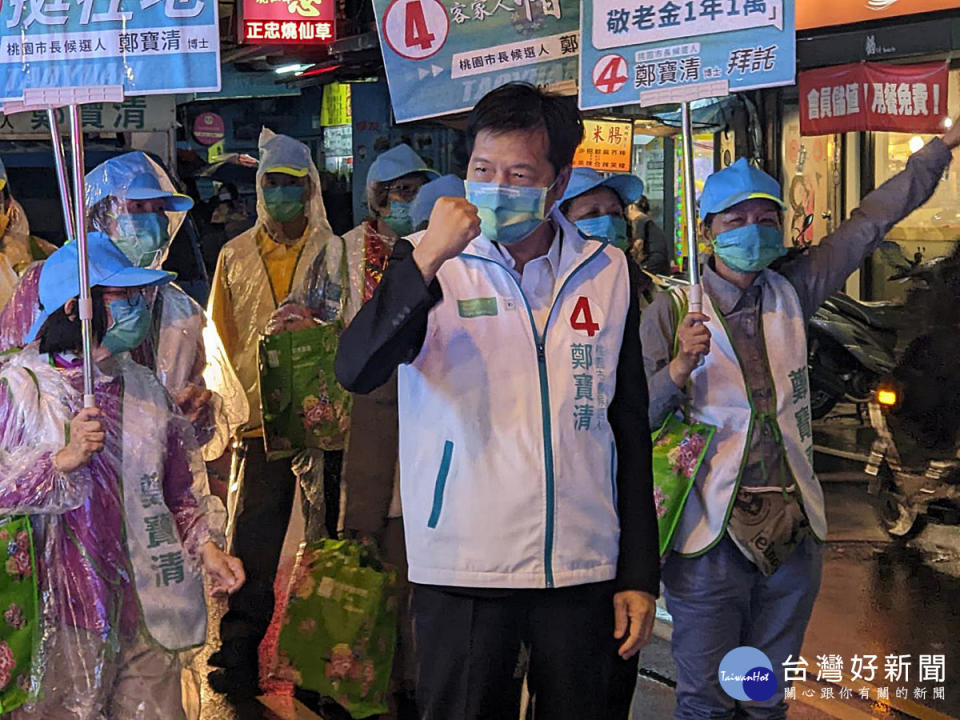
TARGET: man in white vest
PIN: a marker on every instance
(747, 555)
(524, 442)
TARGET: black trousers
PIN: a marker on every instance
(263, 512)
(467, 648)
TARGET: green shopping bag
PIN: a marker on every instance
(20, 627)
(340, 629)
(678, 452)
(303, 405)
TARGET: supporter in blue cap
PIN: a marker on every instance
(393, 181)
(745, 564)
(131, 200)
(422, 205)
(96, 483)
(596, 204)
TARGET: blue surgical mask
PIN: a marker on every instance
(130, 326)
(142, 237)
(284, 203)
(749, 248)
(508, 213)
(399, 219)
(609, 228)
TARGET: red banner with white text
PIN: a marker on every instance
(873, 96)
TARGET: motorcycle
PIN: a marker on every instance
(850, 345)
(914, 463)
(912, 478)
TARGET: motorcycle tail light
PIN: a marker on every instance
(888, 397)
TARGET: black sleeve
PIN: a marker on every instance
(657, 248)
(638, 567)
(390, 328)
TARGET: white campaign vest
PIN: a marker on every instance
(169, 584)
(507, 459)
(718, 396)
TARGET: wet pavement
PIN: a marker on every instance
(877, 597)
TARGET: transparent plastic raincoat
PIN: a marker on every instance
(181, 349)
(18, 248)
(242, 298)
(116, 542)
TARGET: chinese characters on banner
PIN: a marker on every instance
(145, 46)
(335, 105)
(663, 51)
(134, 114)
(605, 147)
(442, 56)
(291, 22)
(873, 96)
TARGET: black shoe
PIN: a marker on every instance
(238, 683)
(235, 654)
(218, 659)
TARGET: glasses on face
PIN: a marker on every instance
(406, 190)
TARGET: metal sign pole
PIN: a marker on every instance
(689, 201)
(61, 166)
(86, 304)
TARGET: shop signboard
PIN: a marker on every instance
(442, 56)
(209, 128)
(144, 46)
(151, 113)
(335, 105)
(606, 146)
(874, 96)
(825, 13)
(665, 51)
(287, 22)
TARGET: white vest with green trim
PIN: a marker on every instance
(719, 396)
(507, 459)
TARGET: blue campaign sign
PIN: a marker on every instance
(660, 51)
(442, 56)
(145, 46)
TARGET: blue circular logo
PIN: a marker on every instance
(746, 674)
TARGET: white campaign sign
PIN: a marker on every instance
(629, 24)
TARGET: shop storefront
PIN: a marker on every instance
(825, 175)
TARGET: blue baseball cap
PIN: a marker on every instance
(582, 180)
(429, 193)
(395, 163)
(736, 183)
(283, 154)
(108, 266)
(133, 176)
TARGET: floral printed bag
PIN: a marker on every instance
(678, 451)
(19, 629)
(303, 404)
(339, 630)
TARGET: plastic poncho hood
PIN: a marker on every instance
(135, 176)
(280, 153)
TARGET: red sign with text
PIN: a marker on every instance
(287, 22)
(873, 96)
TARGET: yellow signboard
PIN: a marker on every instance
(215, 152)
(606, 146)
(335, 106)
